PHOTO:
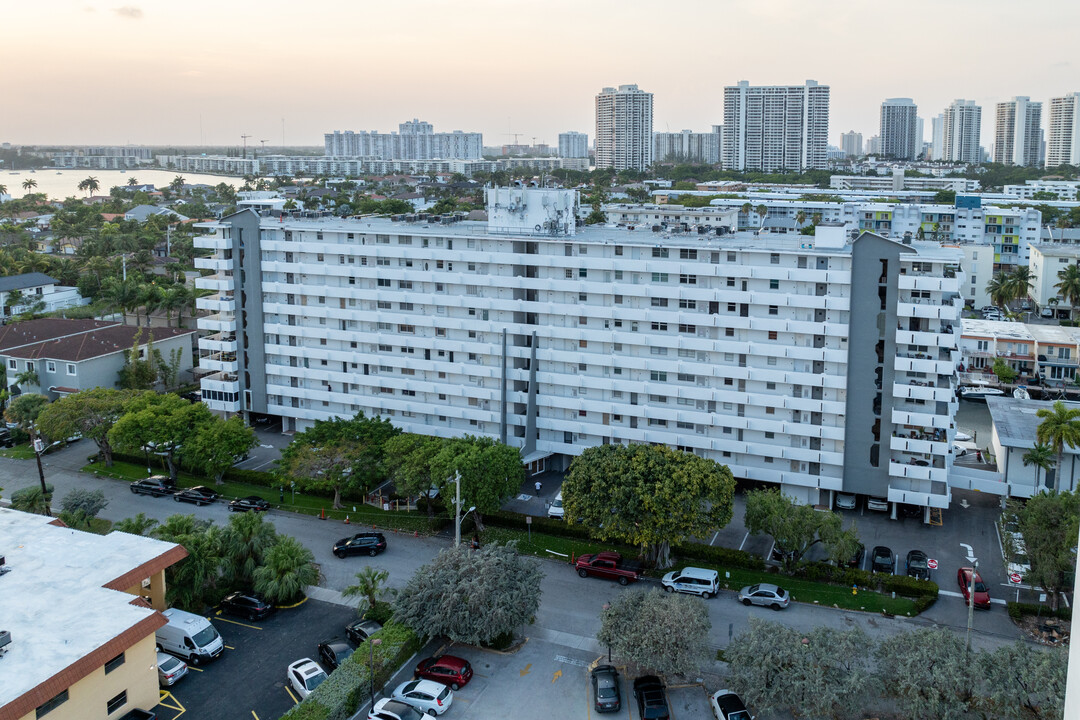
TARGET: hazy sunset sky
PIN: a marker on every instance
(196, 72)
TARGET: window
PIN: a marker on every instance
(659, 302)
(319, 257)
(618, 274)
(770, 386)
(385, 261)
(683, 377)
(405, 284)
(772, 334)
(582, 413)
(731, 307)
(12, 364)
(116, 702)
(406, 328)
(47, 707)
(688, 279)
(657, 423)
(773, 310)
(659, 326)
(731, 257)
(383, 304)
(685, 328)
(774, 284)
(658, 351)
(658, 376)
(582, 320)
(659, 252)
(688, 304)
(50, 366)
(582, 272)
(583, 297)
(658, 398)
(383, 282)
(770, 411)
(659, 277)
(686, 254)
(114, 663)
(569, 274)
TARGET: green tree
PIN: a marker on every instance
(160, 424)
(1060, 427)
(90, 414)
(138, 525)
(289, 567)
(999, 290)
(89, 502)
(1068, 286)
(649, 496)
(490, 472)
(1020, 282)
(795, 527)
(1042, 457)
(24, 411)
(32, 499)
(1024, 681)
(1003, 372)
(29, 184)
(408, 459)
(471, 596)
(368, 587)
(1049, 523)
(217, 444)
(190, 582)
(245, 542)
(666, 632)
(90, 184)
(927, 673)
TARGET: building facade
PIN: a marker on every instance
(771, 128)
(624, 128)
(763, 352)
(415, 140)
(687, 146)
(899, 129)
(961, 126)
(573, 144)
(1018, 136)
(937, 138)
(851, 144)
(1063, 131)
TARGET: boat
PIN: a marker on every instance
(980, 390)
(962, 437)
(1021, 393)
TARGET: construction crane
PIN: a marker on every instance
(245, 137)
(263, 146)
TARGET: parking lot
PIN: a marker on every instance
(248, 680)
(544, 680)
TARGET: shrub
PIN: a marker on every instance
(1019, 610)
(909, 586)
(547, 526)
(380, 612)
(727, 557)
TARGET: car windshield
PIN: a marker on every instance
(980, 586)
(556, 503)
(315, 680)
(739, 715)
(205, 636)
(605, 691)
(753, 589)
(918, 562)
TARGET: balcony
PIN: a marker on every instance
(227, 382)
(219, 342)
(217, 302)
(221, 282)
(219, 362)
(220, 322)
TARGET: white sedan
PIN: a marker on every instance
(305, 675)
(425, 695)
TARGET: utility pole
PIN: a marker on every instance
(245, 145)
(457, 508)
(971, 604)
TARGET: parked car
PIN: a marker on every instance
(365, 543)
(916, 565)
(607, 695)
(200, 495)
(334, 652)
(251, 607)
(608, 565)
(692, 580)
(426, 696)
(157, 485)
(726, 705)
(881, 560)
(304, 676)
(855, 561)
(169, 669)
(251, 502)
(765, 594)
(390, 709)
(360, 630)
(651, 698)
(1046, 312)
(845, 501)
(5, 438)
(981, 595)
(446, 669)
(877, 503)
(555, 509)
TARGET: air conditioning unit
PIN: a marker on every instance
(5, 639)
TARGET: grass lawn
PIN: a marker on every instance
(356, 511)
(801, 590)
(19, 452)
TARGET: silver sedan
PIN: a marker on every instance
(765, 594)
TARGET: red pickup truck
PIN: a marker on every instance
(609, 565)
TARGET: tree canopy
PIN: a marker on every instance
(490, 472)
(160, 424)
(795, 527)
(1049, 523)
(217, 444)
(90, 413)
(666, 632)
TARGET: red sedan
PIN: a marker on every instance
(447, 669)
(982, 595)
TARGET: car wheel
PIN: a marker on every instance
(455, 686)
(431, 712)
(746, 602)
(232, 509)
(157, 648)
(134, 491)
(339, 554)
(193, 659)
(775, 606)
(373, 552)
(582, 573)
(706, 595)
(624, 581)
(668, 588)
(253, 616)
(176, 498)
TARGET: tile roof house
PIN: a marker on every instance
(72, 355)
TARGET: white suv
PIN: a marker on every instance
(695, 581)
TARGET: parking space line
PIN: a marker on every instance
(747, 535)
(253, 627)
(254, 715)
(230, 647)
(295, 701)
(192, 667)
(167, 695)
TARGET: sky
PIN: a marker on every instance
(199, 72)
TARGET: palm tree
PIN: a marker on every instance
(30, 500)
(29, 184)
(1041, 456)
(120, 294)
(800, 218)
(368, 585)
(289, 568)
(138, 525)
(148, 296)
(244, 543)
(1062, 223)
(92, 185)
(173, 298)
(761, 211)
(132, 182)
(1060, 427)
(177, 184)
(3, 189)
(999, 290)
(1068, 286)
(1020, 283)
(28, 377)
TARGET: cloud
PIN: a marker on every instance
(130, 12)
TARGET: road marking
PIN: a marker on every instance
(253, 627)
(950, 593)
(525, 672)
(230, 647)
(166, 695)
(254, 715)
(971, 557)
(556, 676)
(715, 535)
(570, 661)
(295, 701)
(268, 462)
(747, 535)
(192, 667)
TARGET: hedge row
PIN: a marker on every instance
(348, 687)
(1019, 610)
(729, 557)
(924, 592)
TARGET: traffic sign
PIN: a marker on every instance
(1015, 578)
(931, 563)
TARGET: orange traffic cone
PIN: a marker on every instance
(346, 519)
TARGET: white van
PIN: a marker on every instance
(696, 581)
(189, 636)
(556, 509)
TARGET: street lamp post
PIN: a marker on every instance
(39, 447)
(372, 642)
(458, 517)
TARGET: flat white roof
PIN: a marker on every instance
(996, 328)
(53, 600)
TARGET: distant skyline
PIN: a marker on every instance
(202, 73)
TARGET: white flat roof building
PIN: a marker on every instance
(1047, 260)
(815, 363)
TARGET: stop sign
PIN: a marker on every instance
(1014, 578)
(931, 563)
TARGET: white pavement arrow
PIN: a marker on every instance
(970, 553)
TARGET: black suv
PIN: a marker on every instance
(158, 485)
(365, 543)
(651, 698)
(200, 495)
(360, 630)
(250, 606)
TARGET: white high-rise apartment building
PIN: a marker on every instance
(937, 137)
(1063, 136)
(960, 132)
(851, 144)
(415, 140)
(624, 128)
(815, 363)
(779, 127)
(1018, 132)
(873, 145)
(899, 129)
(688, 146)
(573, 144)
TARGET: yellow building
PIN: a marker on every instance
(81, 647)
